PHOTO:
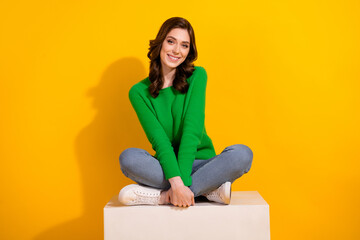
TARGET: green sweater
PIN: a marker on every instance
(174, 124)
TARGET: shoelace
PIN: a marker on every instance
(215, 194)
(144, 197)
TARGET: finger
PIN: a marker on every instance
(174, 200)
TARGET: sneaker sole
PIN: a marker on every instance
(227, 192)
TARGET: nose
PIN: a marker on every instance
(176, 49)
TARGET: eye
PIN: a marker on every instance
(170, 41)
(186, 46)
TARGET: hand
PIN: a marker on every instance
(181, 196)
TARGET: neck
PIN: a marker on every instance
(168, 74)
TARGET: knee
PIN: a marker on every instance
(126, 157)
(244, 157)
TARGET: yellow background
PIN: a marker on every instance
(283, 78)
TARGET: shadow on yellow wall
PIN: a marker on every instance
(98, 146)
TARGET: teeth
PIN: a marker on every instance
(173, 57)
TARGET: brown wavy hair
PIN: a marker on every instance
(184, 70)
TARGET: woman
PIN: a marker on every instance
(170, 105)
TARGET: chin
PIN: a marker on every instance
(172, 65)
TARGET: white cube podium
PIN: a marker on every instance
(246, 217)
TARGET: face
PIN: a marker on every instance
(175, 48)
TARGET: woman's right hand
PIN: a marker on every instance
(179, 194)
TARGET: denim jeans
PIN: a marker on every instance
(207, 175)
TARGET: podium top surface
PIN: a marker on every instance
(238, 198)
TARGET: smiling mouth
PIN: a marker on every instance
(173, 58)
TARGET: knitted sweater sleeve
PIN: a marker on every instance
(155, 134)
(193, 126)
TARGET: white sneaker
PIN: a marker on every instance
(134, 194)
(221, 195)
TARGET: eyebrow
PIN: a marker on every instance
(175, 39)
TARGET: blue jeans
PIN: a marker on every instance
(207, 175)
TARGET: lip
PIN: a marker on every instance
(174, 57)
